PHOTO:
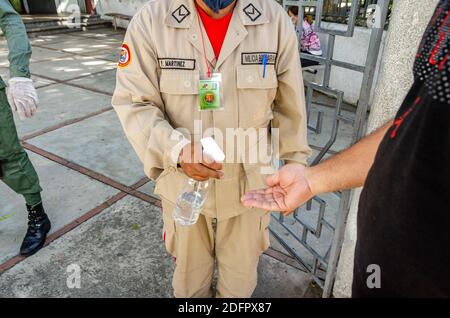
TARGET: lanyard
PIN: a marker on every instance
(204, 47)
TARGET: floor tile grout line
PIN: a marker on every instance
(65, 124)
(67, 228)
(85, 217)
(86, 54)
(50, 48)
(71, 79)
(35, 37)
(68, 54)
(93, 37)
(140, 183)
(97, 38)
(286, 259)
(46, 85)
(143, 196)
(78, 168)
(50, 59)
(94, 90)
(77, 222)
(92, 174)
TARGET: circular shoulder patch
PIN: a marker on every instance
(125, 56)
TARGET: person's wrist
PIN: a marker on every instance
(19, 71)
(312, 176)
(18, 79)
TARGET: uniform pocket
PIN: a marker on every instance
(169, 229)
(9, 142)
(256, 94)
(179, 91)
(169, 185)
(179, 82)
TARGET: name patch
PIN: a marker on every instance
(177, 64)
(256, 58)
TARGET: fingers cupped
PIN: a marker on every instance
(287, 213)
(11, 101)
(261, 203)
(212, 173)
(21, 110)
(213, 165)
(255, 193)
(200, 171)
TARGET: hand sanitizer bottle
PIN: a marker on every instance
(190, 202)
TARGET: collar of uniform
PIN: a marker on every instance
(181, 13)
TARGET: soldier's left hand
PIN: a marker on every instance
(22, 96)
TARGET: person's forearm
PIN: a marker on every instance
(18, 43)
(348, 169)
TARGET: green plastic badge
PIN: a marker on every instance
(210, 93)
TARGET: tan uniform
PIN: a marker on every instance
(157, 91)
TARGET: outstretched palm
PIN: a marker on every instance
(288, 189)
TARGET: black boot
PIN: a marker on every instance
(38, 227)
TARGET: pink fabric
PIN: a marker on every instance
(310, 39)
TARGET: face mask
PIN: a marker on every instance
(216, 5)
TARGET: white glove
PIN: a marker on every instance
(22, 96)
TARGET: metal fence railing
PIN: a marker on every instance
(313, 235)
(338, 11)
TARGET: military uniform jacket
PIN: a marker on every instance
(157, 92)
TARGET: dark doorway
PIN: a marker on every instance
(41, 6)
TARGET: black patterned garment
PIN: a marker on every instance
(403, 247)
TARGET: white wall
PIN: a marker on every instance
(66, 6)
(351, 50)
(127, 7)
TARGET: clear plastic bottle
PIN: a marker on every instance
(192, 198)
(190, 202)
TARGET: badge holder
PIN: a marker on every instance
(210, 93)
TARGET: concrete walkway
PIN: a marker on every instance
(106, 220)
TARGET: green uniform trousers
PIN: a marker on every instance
(16, 169)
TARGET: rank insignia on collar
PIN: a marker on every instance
(181, 13)
(252, 12)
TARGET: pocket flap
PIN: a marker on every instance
(179, 82)
(251, 76)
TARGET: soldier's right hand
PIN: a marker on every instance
(198, 166)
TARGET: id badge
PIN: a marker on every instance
(211, 92)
